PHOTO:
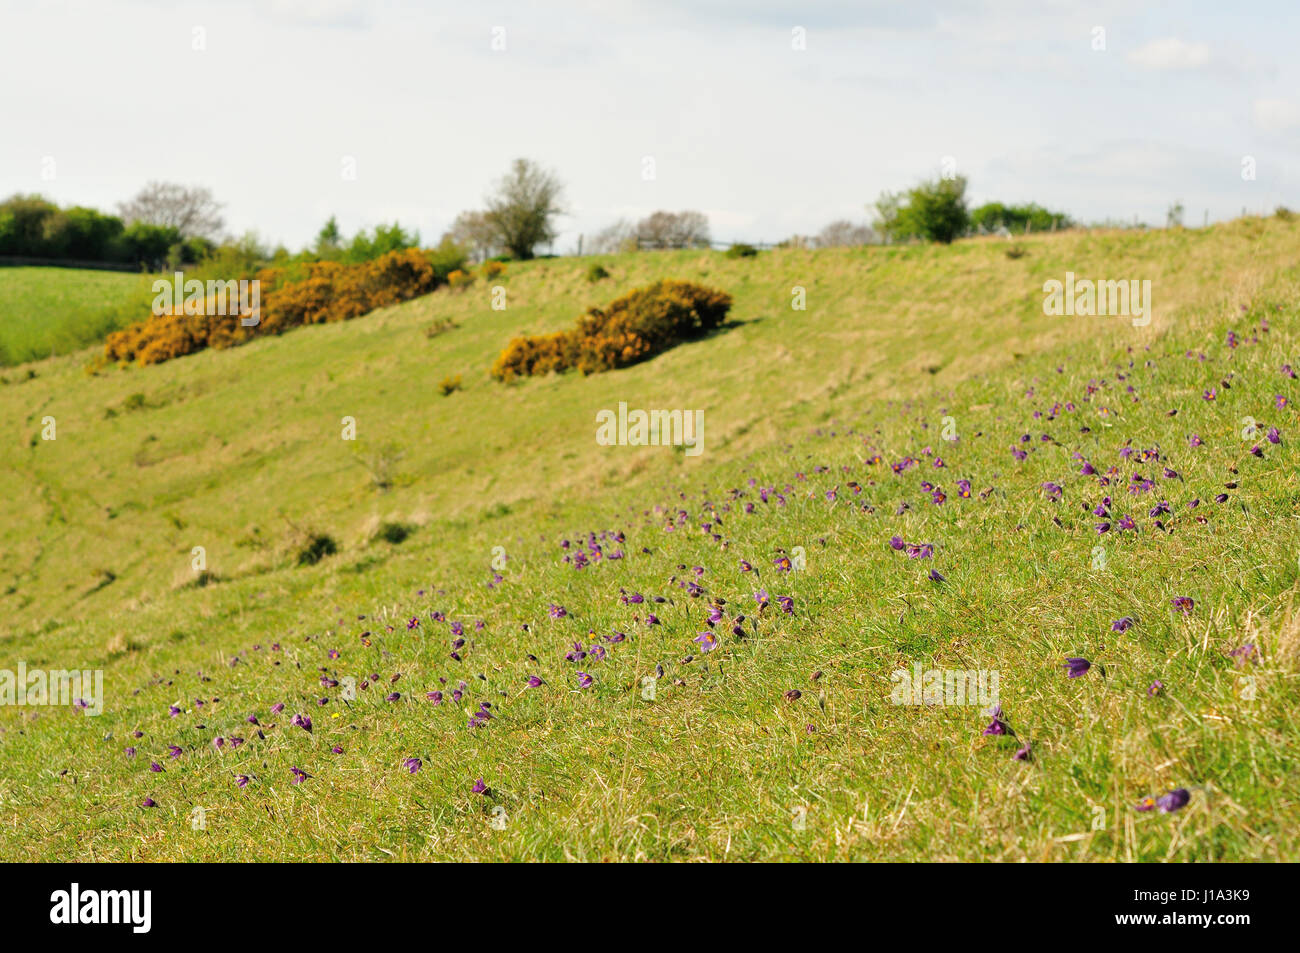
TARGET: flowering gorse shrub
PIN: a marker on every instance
(329, 292)
(637, 326)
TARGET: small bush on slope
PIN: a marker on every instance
(632, 328)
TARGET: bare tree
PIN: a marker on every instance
(473, 231)
(523, 210)
(673, 230)
(192, 210)
(621, 236)
(844, 233)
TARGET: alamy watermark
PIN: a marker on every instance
(84, 689)
(218, 297)
(945, 686)
(1087, 298)
(133, 908)
(654, 428)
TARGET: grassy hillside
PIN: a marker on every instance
(240, 453)
(45, 311)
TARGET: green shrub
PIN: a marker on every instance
(933, 211)
(394, 533)
(741, 250)
(449, 385)
(315, 548)
(596, 272)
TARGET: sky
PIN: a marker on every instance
(773, 119)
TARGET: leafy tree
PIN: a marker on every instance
(1017, 219)
(329, 240)
(523, 209)
(933, 211)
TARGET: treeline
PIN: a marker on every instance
(32, 227)
(937, 211)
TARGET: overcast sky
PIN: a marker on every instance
(281, 98)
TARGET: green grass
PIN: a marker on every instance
(46, 311)
(240, 452)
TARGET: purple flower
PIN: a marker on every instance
(479, 787)
(1246, 653)
(935, 576)
(148, 802)
(299, 775)
(708, 641)
(997, 726)
(241, 780)
(1022, 754)
(1155, 688)
(585, 680)
(1122, 624)
(1074, 667)
(1183, 604)
(535, 682)
(1174, 800)
(558, 612)
(413, 764)
(301, 721)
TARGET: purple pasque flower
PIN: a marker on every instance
(1122, 624)
(1245, 653)
(997, 726)
(1076, 667)
(585, 680)
(1183, 604)
(708, 641)
(1175, 799)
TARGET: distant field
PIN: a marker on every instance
(1070, 487)
(45, 311)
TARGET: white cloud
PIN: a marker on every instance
(1275, 115)
(1171, 53)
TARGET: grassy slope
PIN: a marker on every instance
(46, 311)
(229, 449)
